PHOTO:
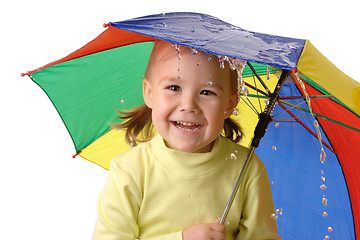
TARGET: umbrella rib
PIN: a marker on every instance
(257, 93)
(304, 97)
(281, 119)
(322, 116)
(258, 77)
(256, 89)
(306, 127)
(250, 105)
(289, 109)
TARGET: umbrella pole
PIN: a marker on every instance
(264, 120)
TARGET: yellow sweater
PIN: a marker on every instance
(153, 192)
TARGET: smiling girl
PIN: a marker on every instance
(174, 185)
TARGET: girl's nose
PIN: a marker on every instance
(188, 104)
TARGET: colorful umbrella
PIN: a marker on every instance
(312, 145)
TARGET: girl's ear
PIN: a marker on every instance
(147, 93)
(233, 101)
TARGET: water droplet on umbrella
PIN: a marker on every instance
(322, 155)
(322, 172)
(210, 83)
(236, 112)
(233, 156)
(274, 148)
(277, 125)
(324, 214)
(330, 229)
(267, 101)
(122, 101)
(165, 25)
(192, 30)
(323, 186)
(324, 201)
(163, 13)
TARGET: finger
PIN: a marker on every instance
(218, 220)
(217, 235)
(217, 227)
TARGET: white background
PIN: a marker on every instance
(44, 192)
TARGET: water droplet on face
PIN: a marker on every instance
(324, 201)
(180, 77)
(190, 196)
(323, 186)
(330, 229)
(209, 58)
(236, 111)
(194, 51)
(233, 156)
(274, 148)
(324, 214)
(210, 83)
(277, 125)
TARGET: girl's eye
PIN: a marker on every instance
(207, 92)
(174, 88)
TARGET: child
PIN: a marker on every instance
(176, 184)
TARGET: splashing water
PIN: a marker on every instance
(194, 51)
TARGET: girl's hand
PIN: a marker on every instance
(205, 231)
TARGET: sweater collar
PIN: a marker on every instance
(185, 163)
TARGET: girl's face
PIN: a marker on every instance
(190, 99)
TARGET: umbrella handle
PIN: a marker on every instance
(265, 119)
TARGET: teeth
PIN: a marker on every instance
(179, 125)
(186, 123)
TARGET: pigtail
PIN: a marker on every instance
(232, 130)
(138, 125)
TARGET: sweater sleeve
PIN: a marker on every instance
(118, 207)
(256, 221)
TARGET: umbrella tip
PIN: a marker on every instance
(24, 74)
(105, 25)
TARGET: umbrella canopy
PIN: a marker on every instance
(315, 195)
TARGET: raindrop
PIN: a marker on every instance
(227, 223)
(323, 186)
(267, 101)
(165, 25)
(209, 58)
(330, 229)
(180, 77)
(324, 201)
(233, 156)
(322, 155)
(277, 125)
(323, 178)
(279, 211)
(192, 30)
(322, 172)
(324, 214)
(163, 13)
(190, 196)
(122, 101)
(236, 112)
(274, 148)
(326, 237)
(194, 51)
(274, 216)
(272, 182)
(210, 83)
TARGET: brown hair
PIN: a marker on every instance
(138, 121)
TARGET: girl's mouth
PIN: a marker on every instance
(186, 126)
